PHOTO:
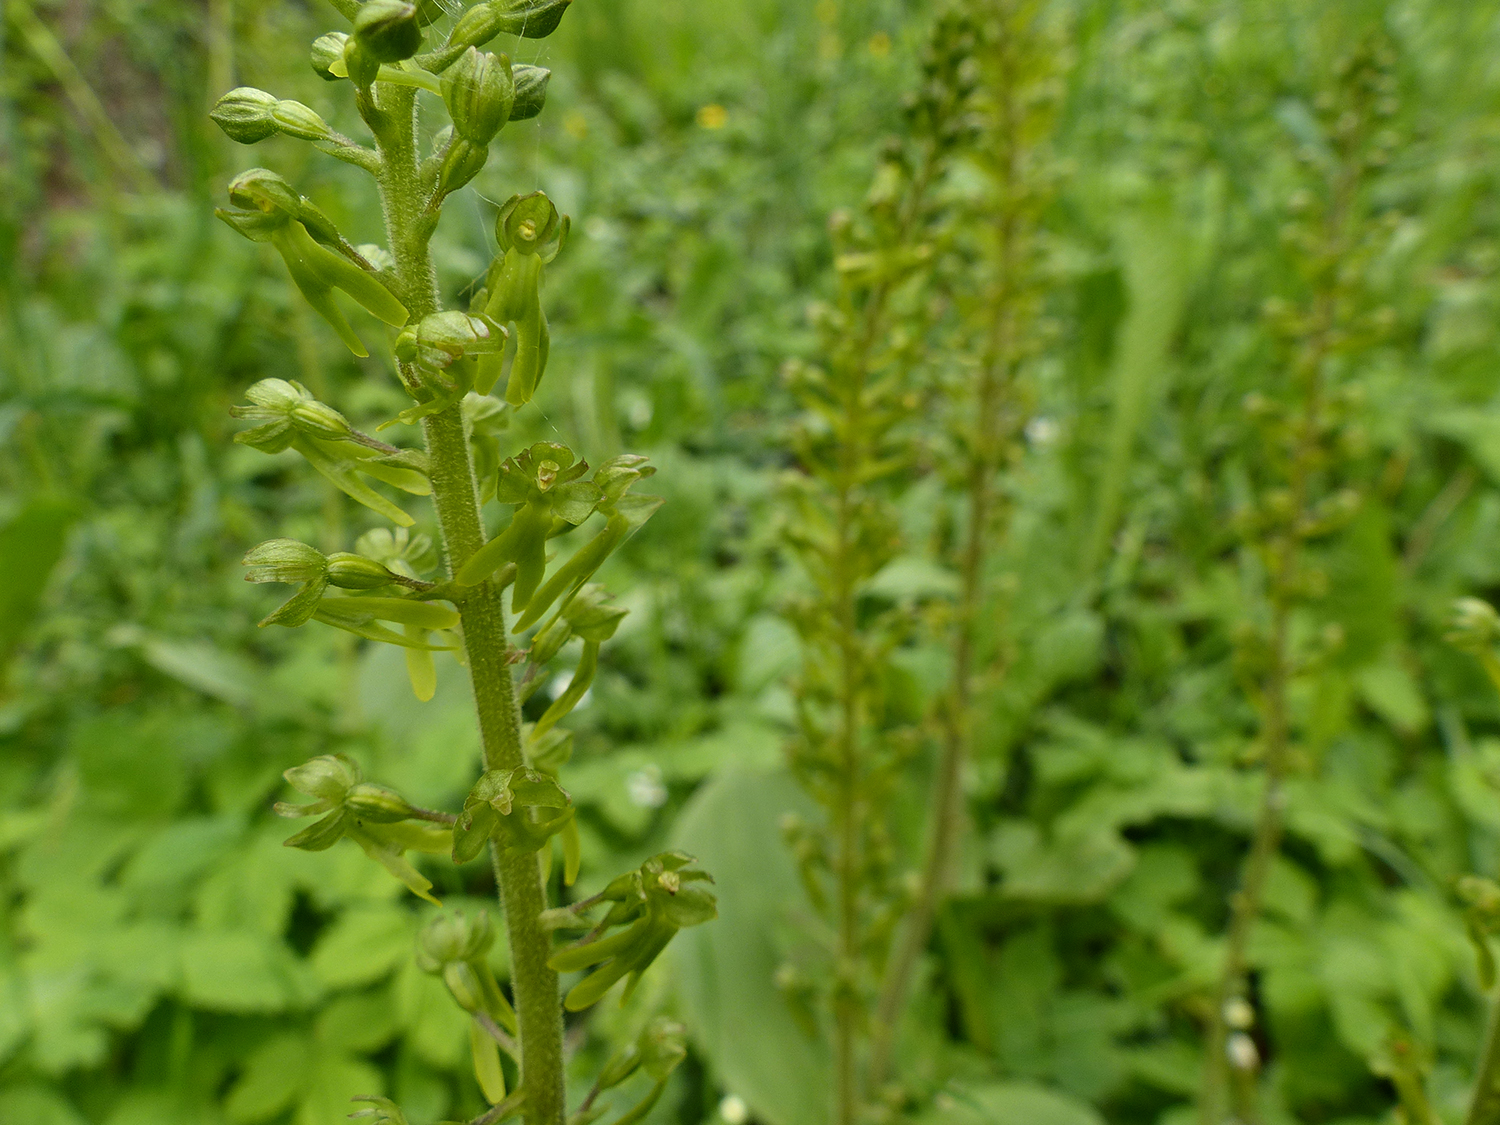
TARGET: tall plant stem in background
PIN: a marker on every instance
(1285, 580)
(86, 103)
(1485, 1107)
(455, 494)
(856, 452)
(945, 810)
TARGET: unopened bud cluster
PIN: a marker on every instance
(248, 115)
(291, 561)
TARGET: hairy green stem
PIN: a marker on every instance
(455, 495)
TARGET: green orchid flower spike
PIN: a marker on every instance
(448, 592)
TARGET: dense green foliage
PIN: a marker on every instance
(164, 959)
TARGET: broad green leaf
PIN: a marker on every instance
(726, 969)
(31, 543)
(1009, 1103)
(333, 1079)
(238, 971)
(35, 1104)
(436, 1028)
(201, 666)
(363, 945)
(272, 1078)
(361, 1022)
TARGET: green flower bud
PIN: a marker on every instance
(382, 1111)
(271, 397)
(320, 420)
(592, 616)
(259, 189)
(1474, 626)
(361, 66)
(355, 572)
(377, 803)
(284, 560)
(463, 983)
(620, 1067)
(453, 937)
(327, 777)
(461, 163)
(245, 115)
(663, 1045)
(477, 26)
(546, 644)
(328, 56)
(387, 30)
(441, 338)
(478, 90)
(286, 409)
(531, 19)
(531, 91)
(297, 120)
(526, 223)
(616, 475)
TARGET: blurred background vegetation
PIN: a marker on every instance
(164, 959)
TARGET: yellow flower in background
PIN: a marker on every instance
(713, 116)
(880, 45)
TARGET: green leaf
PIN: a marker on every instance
(1009, 1103)
(362, 1022)
(31, 543)
(203, 667)
(363, 945)
(34, 1104)
(271, 1080)
(228, 971)
(334, 1080)
(726, 971)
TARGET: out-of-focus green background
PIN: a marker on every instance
(164, 960)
